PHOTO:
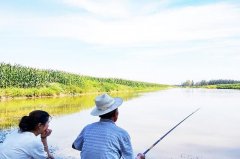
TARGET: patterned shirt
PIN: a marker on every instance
(104, 140)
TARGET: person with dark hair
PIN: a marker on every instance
(25, 143)
(104, 139)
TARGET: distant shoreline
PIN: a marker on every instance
(219, 86)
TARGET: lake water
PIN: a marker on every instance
(211, 133)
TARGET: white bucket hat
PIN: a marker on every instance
(105, 104)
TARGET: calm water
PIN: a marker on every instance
(212, 133)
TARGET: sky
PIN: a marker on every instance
(161, 41)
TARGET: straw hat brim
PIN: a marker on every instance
(115, 105)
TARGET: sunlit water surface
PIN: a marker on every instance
(211, 133)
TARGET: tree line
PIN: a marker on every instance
(191, 83)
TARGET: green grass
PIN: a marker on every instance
(228, 86)
(220, 86)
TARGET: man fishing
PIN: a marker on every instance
(104, 139)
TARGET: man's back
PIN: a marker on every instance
(104, 140)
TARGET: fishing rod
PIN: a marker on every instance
(169, 132)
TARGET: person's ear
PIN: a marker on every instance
(115, 116)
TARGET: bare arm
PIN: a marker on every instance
(45, 144)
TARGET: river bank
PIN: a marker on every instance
(18, 81)
(33, 93)
(219, 86)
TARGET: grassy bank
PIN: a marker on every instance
(220, 86)
(228, 86)
(20, 81)
(213, 84)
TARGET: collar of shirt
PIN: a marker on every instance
(107, 120)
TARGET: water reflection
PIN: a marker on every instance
(11, 111)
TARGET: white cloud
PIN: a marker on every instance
(185, 24)
(106, 8)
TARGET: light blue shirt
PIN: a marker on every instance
(104, 140)
(22, 145)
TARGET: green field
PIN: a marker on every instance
(21, 81)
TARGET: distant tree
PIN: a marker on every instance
(222, 81)
(216, 82)
(188, 83)
(203, 82)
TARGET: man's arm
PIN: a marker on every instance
(78, 143)
(73, 146)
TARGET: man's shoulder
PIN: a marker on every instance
(90, 126)
(122, 131)
(109, 126)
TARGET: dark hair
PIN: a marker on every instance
(29, 123)
(108, 115)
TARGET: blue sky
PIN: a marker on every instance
(163, 41)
